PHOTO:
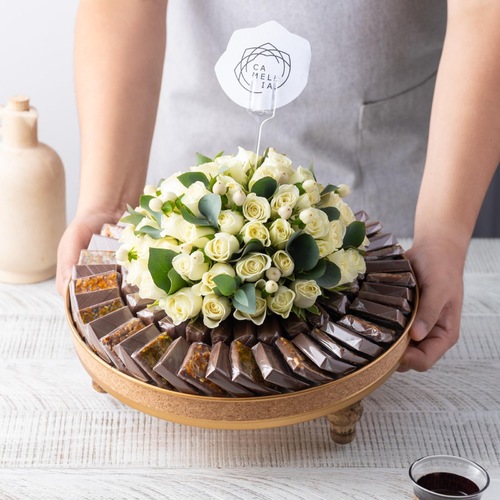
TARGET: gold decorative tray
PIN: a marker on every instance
(339, 401)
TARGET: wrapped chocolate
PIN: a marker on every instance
(370, 330)
(388, 266)
(151, 314)
(245, 370)
(300, 365)
(373, 228)
(80, 271)
(388, 290)
(136, 303)
(96, 282)
(319, 357)
(150, 354)
(318, 320)
(88, 299)
(353, 340)
(379, 313)
(223, 332)
(336, 303)
(112, 231)
(219, 371)
(169, 364)
(99, 242)
(294, 325)
(88, 257)
(337, 349)
(127, 288)
(274, 369)
(270, 330)
(361, 216)
(385, 253)
(197, 331)
(398, 302)
(395, 279)
(379, 241)
(194, 370)
(245, 332)
(91, 313)
(126, 348)
(166, 326)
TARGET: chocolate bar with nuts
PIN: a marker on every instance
(395, 279)
(368, 329)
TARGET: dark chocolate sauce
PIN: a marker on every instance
(447, 483)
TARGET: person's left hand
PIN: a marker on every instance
(439, 271)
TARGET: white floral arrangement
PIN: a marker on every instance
(242, 235)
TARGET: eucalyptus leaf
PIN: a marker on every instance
(190, 217)
(333, 213)
(265, 187)
(253, 245)
(154, 232)
(262, 159)
(144, 202)
(159, 265)
(245, 300)
(133, 218)
(202, 159)
(329, 189)
(176, 282)
(226, 284)
(210, 206)
(303, 250)
(354, 235)
(316, 272)
(188, 178)
(218, 155)
(330, 277)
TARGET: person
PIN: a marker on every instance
(362, 118)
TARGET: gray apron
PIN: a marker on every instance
(362, 119)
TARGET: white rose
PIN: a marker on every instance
(286, 196)
(330, 199)
(196, 235)
(343, 190)
(210, 169)
(284, 263)
(148, 289)
(278, 161)
(207, 280)
(350, 262)
(188, 267)
(255, 231)
(182, 305)
(280, 232)
(262, 172)
(232, 187)
(171, 225)
(215, 309)
(304, 202)
(306, 293)
(325, 247)
(318, 225)
(172, 185)
(193, 195)
(300, 175)
(230, 221)
(236, 166)
(253, 266)
(222, 247)
(336, 233)
(346, 214)
(256, 208)
(282, 301)
(260, 312)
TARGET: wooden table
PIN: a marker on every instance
(59, 439)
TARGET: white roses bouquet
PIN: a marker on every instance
(242, 235)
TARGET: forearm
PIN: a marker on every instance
(464, 138)
(119, 53)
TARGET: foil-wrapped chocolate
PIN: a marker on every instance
(321, 358)
(167, 326)
(127, 288)
(96, 282)
(395, 279)
(245, 370)
(353, 340)
(338, 349)
(398, 302)
(194, 370)
(379, 241)
(318, 320)
(223, 332)
(373, 228)
(91, 313)
(88, 257)
(294, 325)
(270, 330)
(245, 332)
(169, 364)
(151, 314)
(368, 329)
(388, 266)
(379, 313)
(300, 365)
(336, 303)
(385, 253)
(219, 371)
(133, 343)
(88, 299)
(136, 303)
(80, 271)
(99, 242)
(361, 216)
(274, 369)
(197, 331)
(388, 290)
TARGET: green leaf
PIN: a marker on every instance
(176, 282)
(333, 213)
(133, 218)
(316, 272)
(210, 206)
(188, 216)
(202, 159)
(313, 310)
(159, 265)
(265, 187)
(329, 188)
(226, 284)
(253, 245)
(300, 188)
(144, 202)
(188, 178)
(245, 299)
(218, 155)
(304, 251)
(354, 235)
(330, 277)
(262, 159)
(154, 232)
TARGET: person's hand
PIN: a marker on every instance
(439, 270)
(75, 238)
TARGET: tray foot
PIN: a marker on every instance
(98, 388)
(343, 423)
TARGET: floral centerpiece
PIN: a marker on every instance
(243, 235)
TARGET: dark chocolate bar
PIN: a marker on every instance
(245, 332)
(294, 325)
(151, 314)
(318, 320)
(136, 303)
(94, 312)
(361, 216)
(88, 299)
(385, 253)
(388, 266)
(388, 290)
(167, 326)
(368, 329)
(398, 302)
(336, 303)
(379, 313)
(80, 271)
(96, 282)
(270, 330)
(373, 228)
(395, 279)
(197, 331)
(223, 332)
(381, 241)
(127, 288)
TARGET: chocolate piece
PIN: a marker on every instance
(87, 299)
(381, 241)
(133, 343)
(379, 313)
(94, 312)
(396, 279)
(300, 365)
(385, 253)
(388, 290)
(194, 370)
(136, 303)
(245, 370)
(223, 332)
(112, 231)
(245, 332)
(219, 371)
(98, 242)
(270, 330)
(127, 288)
(388, 266)
(353, 340)
(370, 330)
(80, 271)
(336, 303)
(169, 364)
(338, 349)
(294, 325)
(319, 357)
(361, 216)
(274, 369)
(398, 302)
(150, 354)
(88, 257)
(352, 288)
(166, 325)
(151, 314)
(318, 320)
(197, 331)
(96, 282)
(373, 228)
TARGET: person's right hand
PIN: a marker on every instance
(75, 238)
